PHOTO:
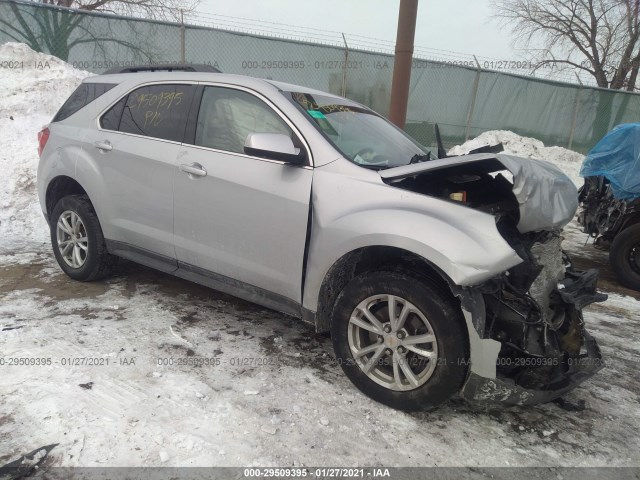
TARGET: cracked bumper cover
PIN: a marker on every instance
(499, 390)
(484, 386)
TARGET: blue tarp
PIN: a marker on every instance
(617, 158)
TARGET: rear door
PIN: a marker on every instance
(242, 220)
(135, 147)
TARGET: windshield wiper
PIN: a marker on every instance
(420, 158)
(372, 167)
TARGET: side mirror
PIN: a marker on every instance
(274, 146)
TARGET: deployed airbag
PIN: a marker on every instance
(547, 197)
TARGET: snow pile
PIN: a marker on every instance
(567, 160)
(42, 80)
(30, 95)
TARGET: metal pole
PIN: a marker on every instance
(344, 68)
(182, 38)
(402, 64)
(472, 107)
(576, 108)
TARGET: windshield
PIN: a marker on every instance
(360, 134)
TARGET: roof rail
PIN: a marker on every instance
(165, 67)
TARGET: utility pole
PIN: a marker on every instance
(403, 60)
(182, 38)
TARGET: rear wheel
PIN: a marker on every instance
(400, 340)
(624, 256)
(77, 240)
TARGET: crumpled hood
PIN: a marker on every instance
(547, 198)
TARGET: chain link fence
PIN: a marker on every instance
(461, 96)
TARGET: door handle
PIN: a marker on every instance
(104, 146)
(194, 169)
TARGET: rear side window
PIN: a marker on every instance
(158, 111)
(111, 119)
(83, 96)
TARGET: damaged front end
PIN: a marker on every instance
(528, 342)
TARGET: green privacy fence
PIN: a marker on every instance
(463, 99)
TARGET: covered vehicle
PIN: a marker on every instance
(610, 200)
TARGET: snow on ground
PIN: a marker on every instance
(191, 377)
(31, 96)
(268, 391)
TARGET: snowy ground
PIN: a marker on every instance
(191, 377)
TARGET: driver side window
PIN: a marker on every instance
(227, 116)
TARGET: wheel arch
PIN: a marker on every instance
(632, 219)
(372, 258)
(59, 187)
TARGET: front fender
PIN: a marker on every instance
(463, 243)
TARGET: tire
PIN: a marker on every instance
(84, 238)
(624, 256)
(437, 377)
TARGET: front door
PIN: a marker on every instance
(240, 218)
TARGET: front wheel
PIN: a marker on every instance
(401, 340)
(624, 256)
(77, 240)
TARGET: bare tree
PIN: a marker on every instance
(153, 9)
(600, 37)
(58, 30)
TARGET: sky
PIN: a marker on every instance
(463, 26)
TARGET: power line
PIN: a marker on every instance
(366, 43)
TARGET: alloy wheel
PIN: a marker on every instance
(71, 235)
(392, 342)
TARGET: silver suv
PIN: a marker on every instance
(435, 277)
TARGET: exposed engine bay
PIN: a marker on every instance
(602, 215)
(486, 186)
(533, 311)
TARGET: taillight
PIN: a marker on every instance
(43, 136)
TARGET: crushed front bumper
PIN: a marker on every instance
(485, 386)
(484, 390)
